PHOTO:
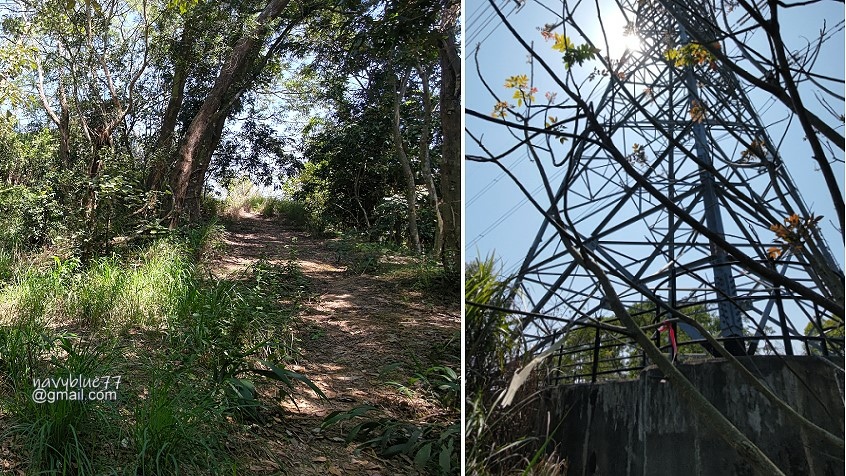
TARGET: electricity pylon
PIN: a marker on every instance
(689, 128)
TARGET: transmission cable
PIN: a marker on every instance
(511, 211)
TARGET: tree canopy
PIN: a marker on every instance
(143, 108)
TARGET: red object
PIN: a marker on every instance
(666, 326)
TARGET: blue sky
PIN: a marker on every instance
(497, 215)
(499, 218)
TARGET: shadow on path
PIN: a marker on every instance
(350, 330)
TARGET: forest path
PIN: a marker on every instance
(354, 333)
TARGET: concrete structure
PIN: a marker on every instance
(642, 427)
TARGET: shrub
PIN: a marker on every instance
(28, 217)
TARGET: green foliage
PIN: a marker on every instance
(25, 157)
(29, 217)
(8, 261)
(351, 179)
(495, 441)
(360, 257)
(243, 195)
(289, 211)
(311, 189)
(174, 428)
(391, 219)
(16, 58)
(213, 344)
(108, 293)
(487, 332)
(832, 332)
(572, 54)
(58, 435)
(440, 380)
(240, 195)
(617, 354)
(204, 241)
(231, 327)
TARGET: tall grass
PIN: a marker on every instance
(176, 429)
(192, 351)
(244, 196)
(108, 294)
(498, 439)
(290, 211)
(136, 316)
(60, 436)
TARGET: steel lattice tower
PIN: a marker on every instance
(692, 131)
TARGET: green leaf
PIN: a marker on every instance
(244, 388)
(445, 458)
(338, 416)
(362, 429)
(395, 450)
(423, 455)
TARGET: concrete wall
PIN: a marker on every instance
(641, 427)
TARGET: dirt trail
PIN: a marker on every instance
(351, 329)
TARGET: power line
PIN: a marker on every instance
(493, 182)
(491, 16)
(512, 210)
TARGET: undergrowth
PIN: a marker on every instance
(499, 440)
(189, 352)
(419, 273)
(433, 446)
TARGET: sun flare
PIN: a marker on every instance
(631, 41)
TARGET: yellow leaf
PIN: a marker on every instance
(519, 81)
(562, 43)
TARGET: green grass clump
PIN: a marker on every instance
(109, 293)
(204, 241)
(60, 436)
(244, 196)
(177, 428)
(7, 264)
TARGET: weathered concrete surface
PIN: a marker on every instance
(642, 427)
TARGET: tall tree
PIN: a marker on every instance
(451, 112)
(203, 134)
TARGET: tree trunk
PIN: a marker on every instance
(450, 205)
(158, 169)
(64, 129)
(426, 160)
(411, 187)
(194, 196)
(195, 146)
(62, 120)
